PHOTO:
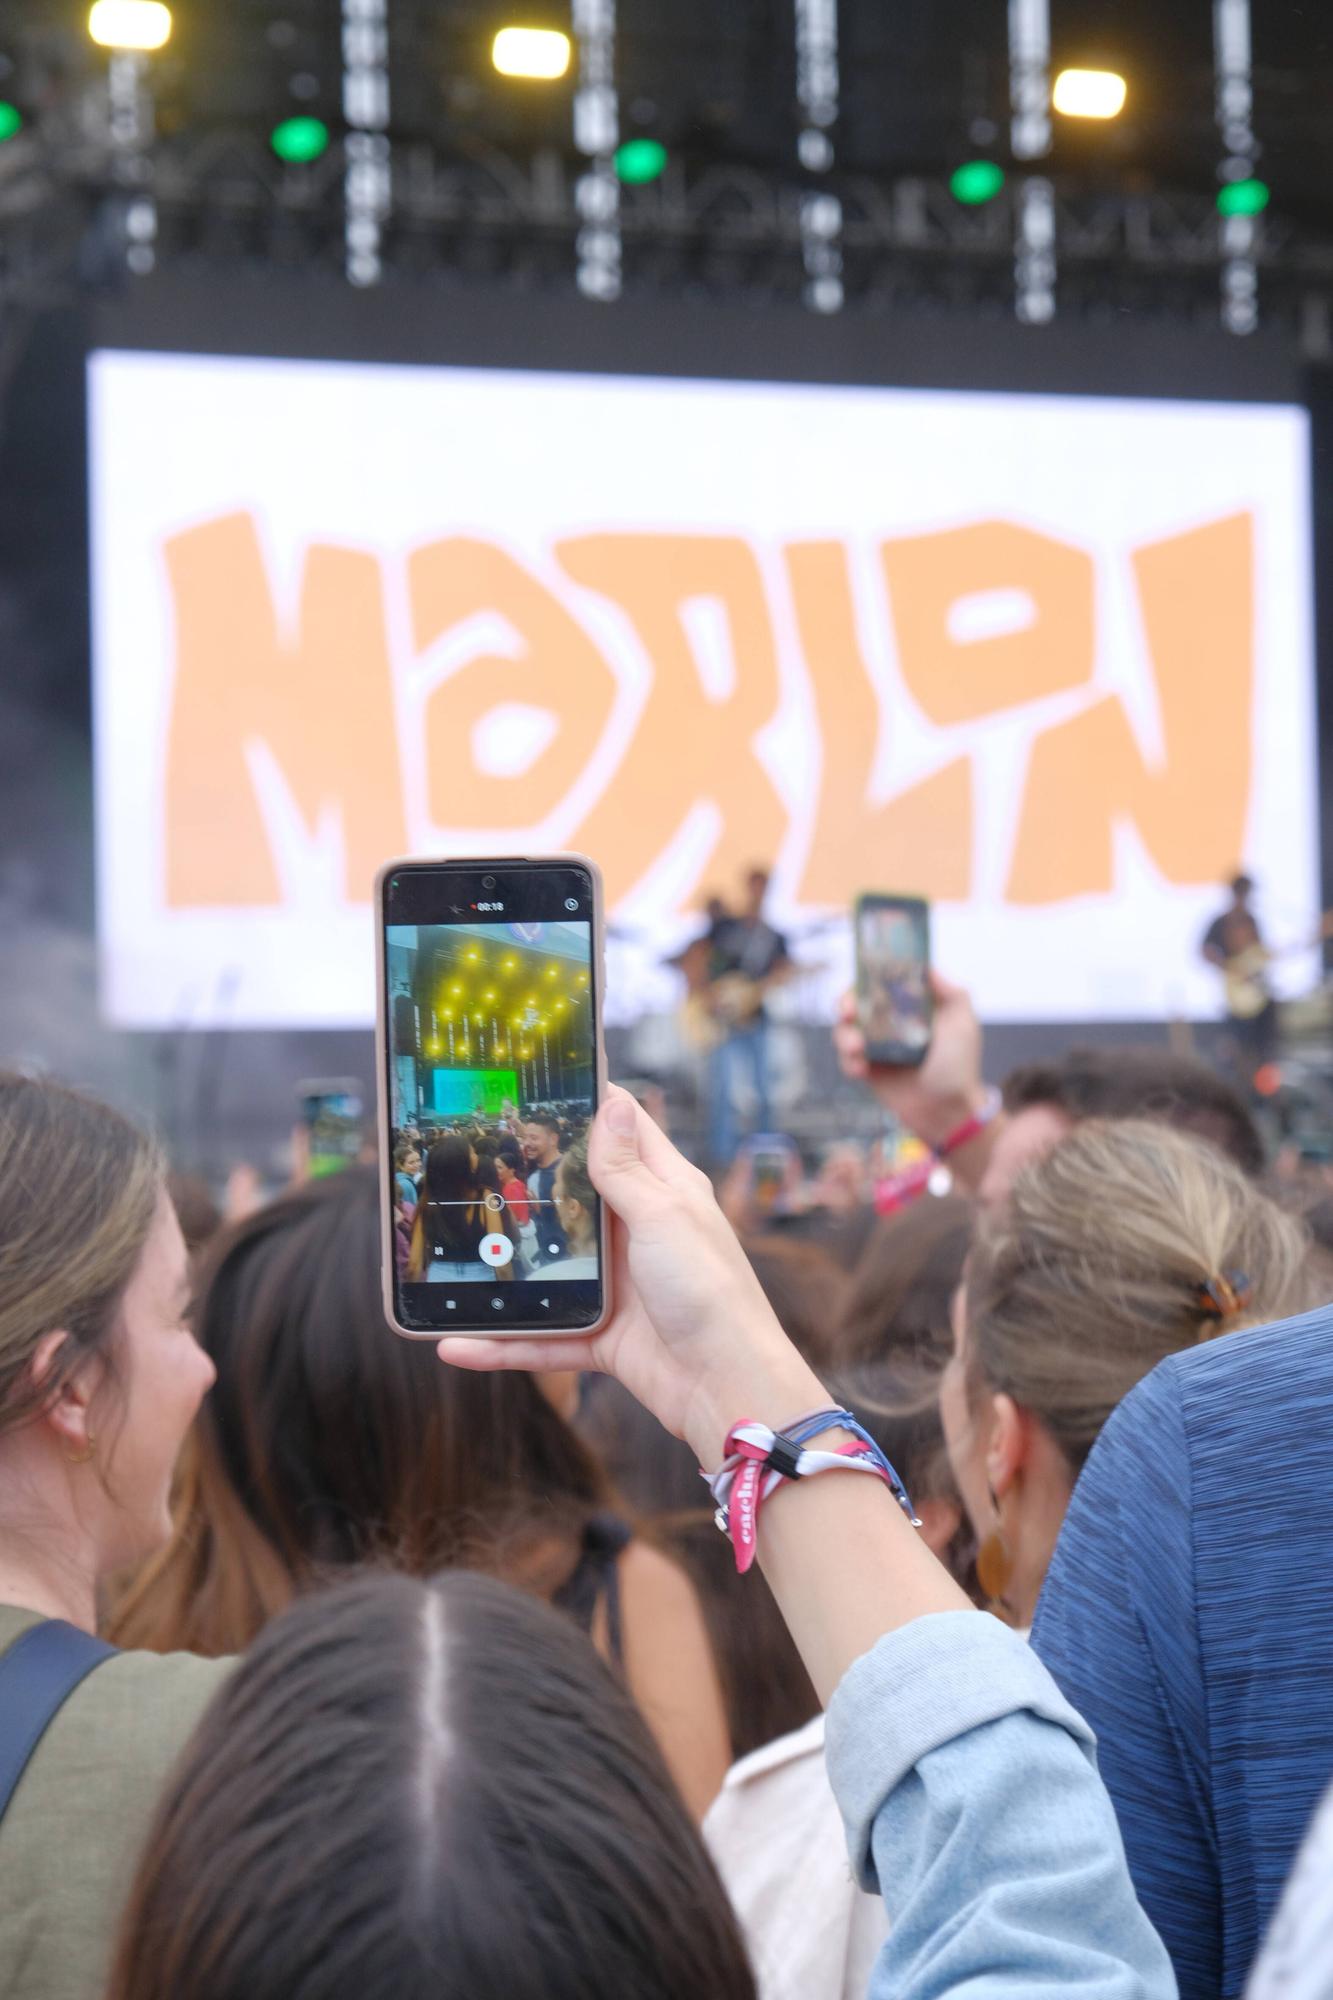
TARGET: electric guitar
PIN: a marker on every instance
(1247, 992)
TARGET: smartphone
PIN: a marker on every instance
(330, 1111)
(893, 977)
(491, 1064)
(771, 1156)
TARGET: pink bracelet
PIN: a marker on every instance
(963, 1134)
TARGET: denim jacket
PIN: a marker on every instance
(969, 1788)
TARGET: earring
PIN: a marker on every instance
(995, 1561)
(82, 1457)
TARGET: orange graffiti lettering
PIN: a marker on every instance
(558, 669)
(919, 842)
(958, 679)
(687, 747)
(319, 700)
(1196, 592)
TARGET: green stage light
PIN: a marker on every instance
(300, 140)
(1248, 197)
(640, 160)
(11, 121)
(975, 182)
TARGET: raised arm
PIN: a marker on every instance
(966, 1782)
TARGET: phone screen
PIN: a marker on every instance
(491, 1044)
(893, 977)
(331, 1114)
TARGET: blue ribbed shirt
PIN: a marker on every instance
(1188, 1616)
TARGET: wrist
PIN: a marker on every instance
(949, 1115)
(773, 1390)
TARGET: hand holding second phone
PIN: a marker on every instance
(692, 1336)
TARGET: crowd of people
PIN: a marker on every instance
(333, 1665)
(523, 1176)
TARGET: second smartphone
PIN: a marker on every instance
(491, 1070)
(893, 998)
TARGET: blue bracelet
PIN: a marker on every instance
(839, 1419)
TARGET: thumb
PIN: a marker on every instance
(616, 1164)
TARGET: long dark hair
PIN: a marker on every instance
(329, 1441)
(415, 1791)
(449, 1230)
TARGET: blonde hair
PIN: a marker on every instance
(65, 1265)
(1098, 1265)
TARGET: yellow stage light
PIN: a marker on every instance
(540, 54)
(471, 957)
(455, 989)
(583, 979)
(550, 972)
(130, 24)
(1089, 93)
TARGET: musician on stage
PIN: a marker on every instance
(747, 958)
(1234, 944)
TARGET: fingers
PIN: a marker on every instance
(632, 1162)
(945, 993)
(849, 1041)
(482, 1356)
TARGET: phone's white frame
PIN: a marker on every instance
(383, 1122)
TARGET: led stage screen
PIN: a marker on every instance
(1045, 659)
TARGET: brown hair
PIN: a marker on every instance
(1176, 1090)
(425, 1789)
(894, 1342)
(329, 1441)
(61, 1268)
(1096, 1268)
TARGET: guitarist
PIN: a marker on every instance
(1230, 938)
(746, 959)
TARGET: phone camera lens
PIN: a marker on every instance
(488, 881)
(571, 902)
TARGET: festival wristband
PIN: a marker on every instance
(759, 1460)
(972, 1127)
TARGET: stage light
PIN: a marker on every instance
(298, 141)
(975, 182)
(11, 121)
(130, 24)
(1089, 93)
(539, 54)
(639, 161)
(1247, 197)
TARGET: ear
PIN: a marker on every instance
(67, 1414)
(1008, 1445)
(940, 1522)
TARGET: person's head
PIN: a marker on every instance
(1045, 1101)
(576, 1200)
(1127, 1243)
(1242, 888)
(541, 1139)
(407, 1159)
(197, 1212)
(458, 1798)
(100, 1377)
(715, 909)
(509, 1161)
(330, 1442)
(756, 889)
(451, 1168)
(891, 1345)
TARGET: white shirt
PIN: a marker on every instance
(776, 1836)
(1296, 1962)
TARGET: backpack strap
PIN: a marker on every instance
(38, 1674)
